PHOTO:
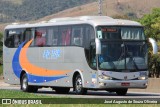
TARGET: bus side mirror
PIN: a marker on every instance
(154, 45)
(98, 46)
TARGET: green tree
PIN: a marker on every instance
(152, 24)
(152, 29)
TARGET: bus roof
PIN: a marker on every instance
(92, 20)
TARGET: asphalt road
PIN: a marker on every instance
(100, 94)
(90, 94)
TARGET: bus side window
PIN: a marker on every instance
(55, 38)
(77, 39)
(40, 37)
(52, 39)
(89, 35)
(28, 35)
(9, 42)
(14, 38)
(65, 36)
(77, 35)
(49, 39)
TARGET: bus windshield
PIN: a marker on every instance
(123, 48)
(123, 56)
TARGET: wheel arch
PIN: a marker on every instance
(22, 73)
(77, 72)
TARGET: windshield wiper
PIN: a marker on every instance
(134, 63)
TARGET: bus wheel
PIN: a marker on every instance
(122, 91)
(62, 90)
(24, 85)
(78, 86)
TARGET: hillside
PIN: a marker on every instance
(130, 8)
(25, 10)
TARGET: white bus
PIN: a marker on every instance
(83, 53)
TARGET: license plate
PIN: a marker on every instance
(125, 84)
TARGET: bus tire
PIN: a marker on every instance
(78, 87)
(122, 92)
(24, 85)
(62, 90)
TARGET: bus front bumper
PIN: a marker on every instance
(123, 84)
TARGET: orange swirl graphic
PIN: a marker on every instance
(33, 69)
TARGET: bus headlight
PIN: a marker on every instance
(142, 78)
(105, 77)
(143, 75)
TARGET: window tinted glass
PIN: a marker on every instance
(88, 36)
(52, 38)
(64, 36)
(72, 35)
(14, 38)
(40, 37)
(28, 35)
(77, 35)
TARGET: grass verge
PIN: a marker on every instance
(19, 94)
